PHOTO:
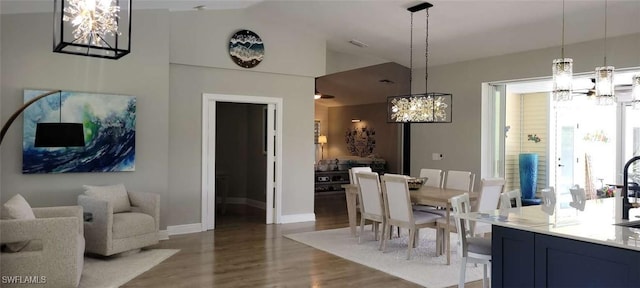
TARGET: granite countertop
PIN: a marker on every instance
(594, 224)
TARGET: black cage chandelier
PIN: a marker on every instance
(429, 107)
(95, 28)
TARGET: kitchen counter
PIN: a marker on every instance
(595, 224)
(569, 248)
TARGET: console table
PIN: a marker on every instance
(330, 182)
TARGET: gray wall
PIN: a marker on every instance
(27, 62)
(187, 85)
(168, 74)
(201, 65)
(175, 58)
(460, 141)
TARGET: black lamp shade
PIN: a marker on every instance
(59, 135)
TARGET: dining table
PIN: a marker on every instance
(425, 195)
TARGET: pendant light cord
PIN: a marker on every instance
(605, 33)
(411, 56)
(426, 54)
(562, 49)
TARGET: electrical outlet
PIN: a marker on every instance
(437, 156)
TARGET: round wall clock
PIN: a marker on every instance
(246, 48)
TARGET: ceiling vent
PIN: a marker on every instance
(358, 43)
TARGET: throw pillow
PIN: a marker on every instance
(116, 194)
(17, 208)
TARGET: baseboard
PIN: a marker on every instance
(184, 229)
(296, 218)
(247, 201)
(163, 235)
(256, 204)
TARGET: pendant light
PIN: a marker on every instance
(562, 73)
(94, 28)
(605, 92)
(428, 107)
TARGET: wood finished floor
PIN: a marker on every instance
(244, 252)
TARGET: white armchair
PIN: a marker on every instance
(109, 233)
(55, 250)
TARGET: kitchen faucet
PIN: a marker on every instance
(626, 205)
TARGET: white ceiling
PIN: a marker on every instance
(458, 30)
(38, 6)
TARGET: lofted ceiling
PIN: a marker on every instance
(459, 30)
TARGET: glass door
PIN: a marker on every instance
(493, 131)
(585, 146)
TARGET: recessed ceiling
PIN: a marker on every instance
(367, 85)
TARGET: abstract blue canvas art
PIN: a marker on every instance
(109, 123)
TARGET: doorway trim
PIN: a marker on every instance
(274, 155)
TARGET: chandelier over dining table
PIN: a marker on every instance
(428, 107)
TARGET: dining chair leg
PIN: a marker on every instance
(412, 238)
(383, 236)
(416, 238)
(384, 239)
(463, 268)
(361, 230)
(375, 231)
(484, 276)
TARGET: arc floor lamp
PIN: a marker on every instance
(50, 134)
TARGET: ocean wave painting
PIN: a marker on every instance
(109, 123)
(246, 48)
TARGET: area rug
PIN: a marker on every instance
(116, 271)
(424, 268)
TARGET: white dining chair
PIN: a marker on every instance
(470, 249)
(490, 191)
(508, 198)
(353, 180)
(488, 200)
(434, 177)
(398, 210)
(371, 207)
(579, 197)
(460, 180)
(548, 200)
(352, 173)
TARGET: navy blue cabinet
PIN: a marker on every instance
(512, 257)
(527, 259)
